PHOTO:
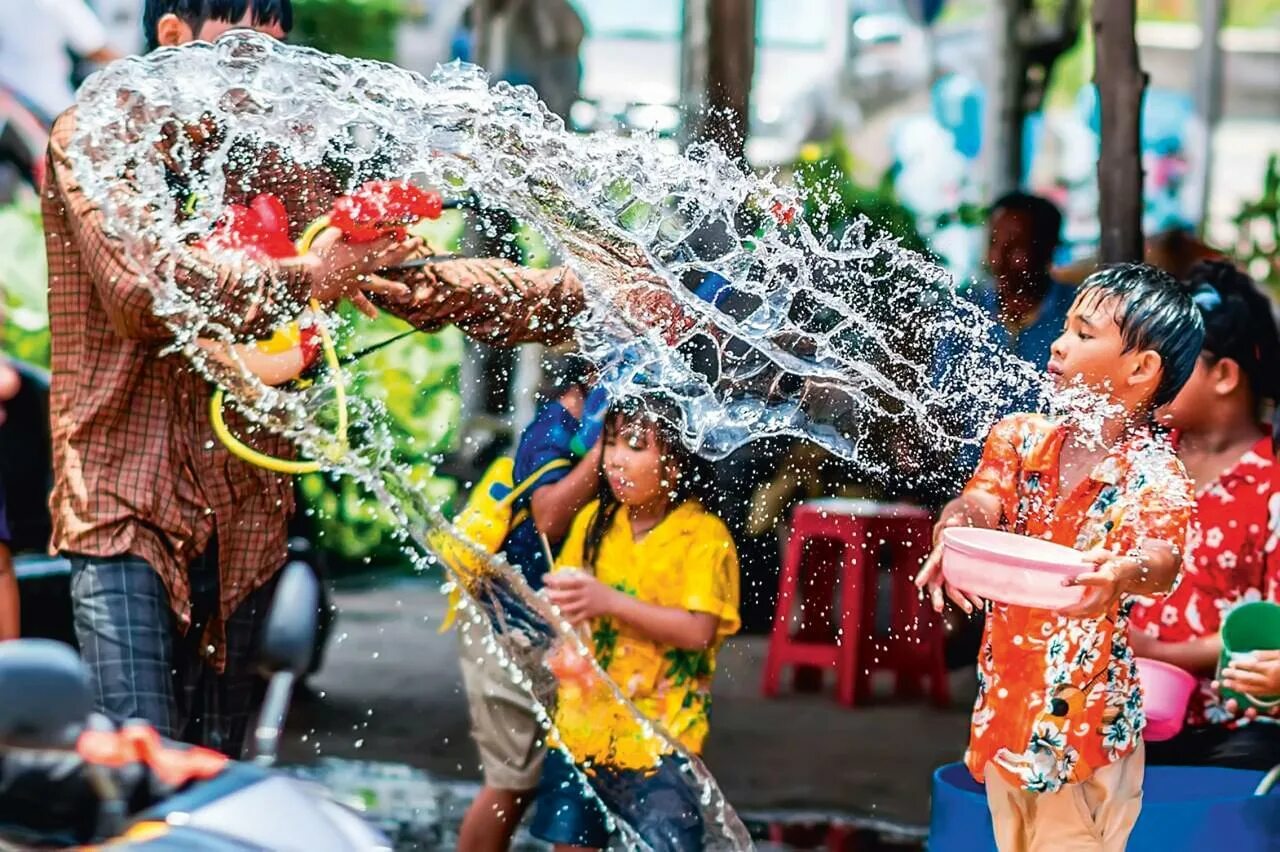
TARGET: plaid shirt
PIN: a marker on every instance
(137, 469)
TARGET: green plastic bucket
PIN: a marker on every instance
(1247, 628)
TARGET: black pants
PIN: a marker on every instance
(142, 667)
(1254, 746)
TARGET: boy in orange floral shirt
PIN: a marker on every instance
(1056, 730)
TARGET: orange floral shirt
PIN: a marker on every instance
(1058, 698)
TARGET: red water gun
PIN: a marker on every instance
(261, 230)
(383, 207)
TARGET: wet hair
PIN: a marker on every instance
(195, 13)
(1154, 311)
(694, 472)
(1239, 323)
(1046, 218)
(562, 373)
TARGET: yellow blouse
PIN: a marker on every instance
(688, 561)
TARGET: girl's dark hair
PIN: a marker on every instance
(562, 373)
(196, 12)
(1239, 324)
(694, 472)
(1154, 311)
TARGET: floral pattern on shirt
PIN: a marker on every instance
(1233, 558)
(687, 561)
(1058, 698)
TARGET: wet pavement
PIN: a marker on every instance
(385, 723)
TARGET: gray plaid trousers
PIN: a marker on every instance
(141, 667)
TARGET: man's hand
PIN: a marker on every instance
(341, 268)
(648, 300)
(579, 596)
(930, 578)
(1112, 576)
(1258, 676)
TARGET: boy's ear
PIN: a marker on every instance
(1146, 369)
(172, 31)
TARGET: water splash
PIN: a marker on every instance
(817, 337)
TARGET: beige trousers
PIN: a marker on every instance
(1095, 815)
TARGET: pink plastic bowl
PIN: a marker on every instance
(1166, 691)
(1011, 569)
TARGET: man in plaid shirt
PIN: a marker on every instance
(175, 543)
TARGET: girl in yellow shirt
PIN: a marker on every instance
(653, 576)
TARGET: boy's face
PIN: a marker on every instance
(1090, 354)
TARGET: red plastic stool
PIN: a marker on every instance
(913, 648)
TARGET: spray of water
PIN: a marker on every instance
(820, 337)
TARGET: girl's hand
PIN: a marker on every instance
(1257, 675)
(579, 596)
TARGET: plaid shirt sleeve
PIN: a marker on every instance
(248, 302)
(494, 301)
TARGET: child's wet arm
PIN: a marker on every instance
(555, 506)
(1153, 568)
(666, 625)
(994, 483)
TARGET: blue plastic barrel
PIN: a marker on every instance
(1184, 809)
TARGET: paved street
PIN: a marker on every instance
(391, 691)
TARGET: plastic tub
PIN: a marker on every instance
(1248, 628)
(1166, 690)
(1011, 569)
(1184, 809)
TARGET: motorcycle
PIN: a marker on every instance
(71, 779)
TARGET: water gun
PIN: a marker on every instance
(261, 230)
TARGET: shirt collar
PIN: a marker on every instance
(1043, 455)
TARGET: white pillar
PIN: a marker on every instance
(1208, 96)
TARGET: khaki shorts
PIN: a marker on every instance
(1095, 815)
(503, 724)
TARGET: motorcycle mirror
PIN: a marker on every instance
(47, 697)
(291, 627)
(287, 646)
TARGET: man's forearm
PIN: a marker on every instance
(493, 301)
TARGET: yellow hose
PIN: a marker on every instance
(242, 450)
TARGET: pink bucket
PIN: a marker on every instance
(1011, 569)
(1166, 691)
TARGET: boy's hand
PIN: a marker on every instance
(579, 596)
(1104, 585)
(930, 578)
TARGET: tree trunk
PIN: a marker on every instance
(1120, 83)
(1006, 83)
(717, 67)
(1208, 93)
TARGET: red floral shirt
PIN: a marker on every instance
(1233, 557)
(1058, 698)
